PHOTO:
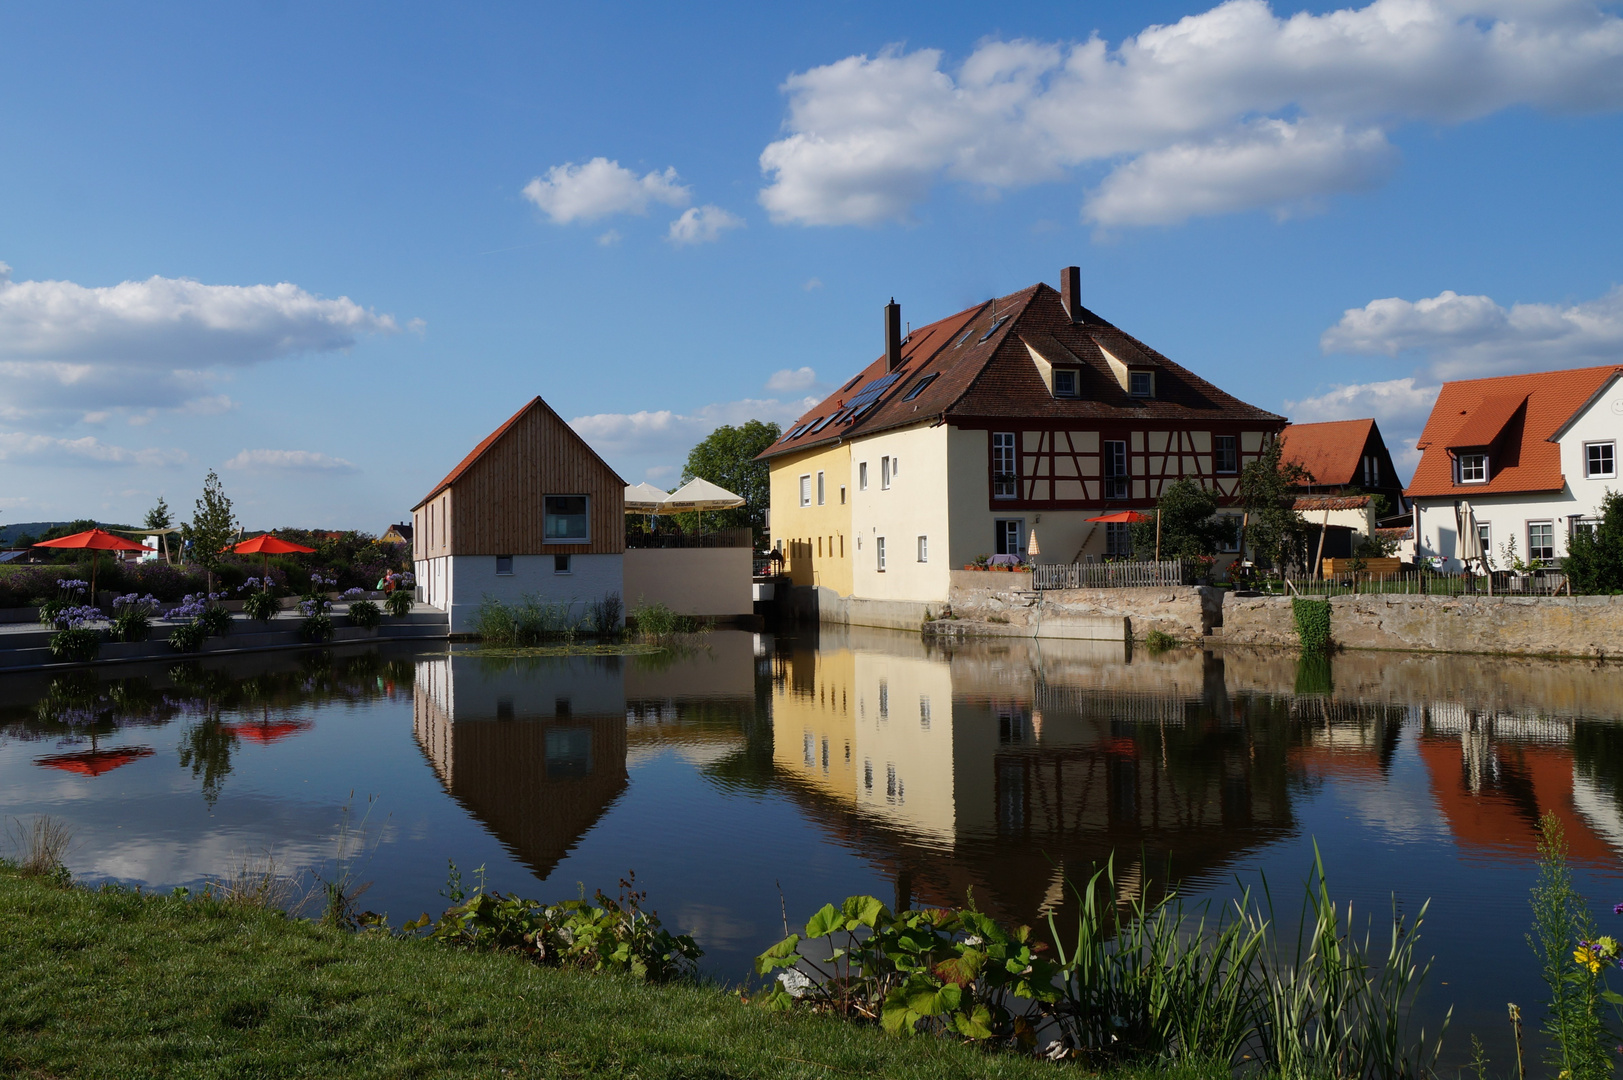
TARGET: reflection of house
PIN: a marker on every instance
(536, 752)
(953, 443)
(974, 775)
(1533, 454)
(1494, 776)
(531, 511)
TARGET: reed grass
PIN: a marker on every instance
(41, 844)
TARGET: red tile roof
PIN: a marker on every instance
(1332, 452)
(980, 360)
(1523, 458)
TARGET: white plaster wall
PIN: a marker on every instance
(1506, 516)
(1601, 422)
(468, 579)
(467, 689)
(914, 506)
(691, 581)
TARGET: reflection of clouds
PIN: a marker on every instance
(1598, 808)
(697, 754)
(713, 927)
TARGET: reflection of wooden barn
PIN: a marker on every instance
(538, 783)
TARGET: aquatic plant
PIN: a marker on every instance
(657, 621)
(1158, 641)
(609, 935)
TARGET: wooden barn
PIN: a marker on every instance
(531, 511)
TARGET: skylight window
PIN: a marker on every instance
(918, 387)
(997, 322)
(850, 384)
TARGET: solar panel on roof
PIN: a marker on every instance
(799, 431)
(823, 423)
(870, 393)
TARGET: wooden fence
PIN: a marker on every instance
(1113, 575)
(1410, 583)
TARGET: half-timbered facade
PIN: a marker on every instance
(531, 511)
(1025, 415)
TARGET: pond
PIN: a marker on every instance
(753, 775)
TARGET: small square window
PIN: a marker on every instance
(1064, 382)
(560, 564)
(1141, 383)
(504, 564)
(805, 490)
(565, 519)
(1473, 468)
(1600, 459)
(1225, 454)
(924, 549)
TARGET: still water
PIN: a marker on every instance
(755, 772)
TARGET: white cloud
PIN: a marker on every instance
(601, 187)
(1394, 403)
(658, 474)
(158, 343)
(289, 461)
(610, 238)
(1470, 336)
(21, 448)
(796, 381)
(1282, 109)
(702, 225)
(813, 284)
(667, 433)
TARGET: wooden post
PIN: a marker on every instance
(1158, 534)
(1324, 527)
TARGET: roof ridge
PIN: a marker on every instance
(1005, 330)
(484, 445)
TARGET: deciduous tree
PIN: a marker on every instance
(727, 457)
(1275, 532)
(212, 527)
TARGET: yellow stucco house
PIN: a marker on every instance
(1025, 414)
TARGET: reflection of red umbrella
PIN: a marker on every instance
(94, 540)
(266, 546)
(95, 762)
(268, 731)
(1122, 517)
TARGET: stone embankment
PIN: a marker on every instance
(1005, 604)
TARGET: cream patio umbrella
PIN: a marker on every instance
(644, 498)
(1470, 536)
(699, 495)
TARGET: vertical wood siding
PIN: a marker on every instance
(496, 506)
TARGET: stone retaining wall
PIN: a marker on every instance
(1514, 625)
(1005, 603)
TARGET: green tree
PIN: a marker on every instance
(159, 517)
(727, 457)
(1190, 526)
(1275, 532)
(1594, 563)
(212, 527)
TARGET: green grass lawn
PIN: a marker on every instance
(116, 984)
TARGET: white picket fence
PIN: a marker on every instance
(1113, 575)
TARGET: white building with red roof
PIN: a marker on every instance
(1530, 457)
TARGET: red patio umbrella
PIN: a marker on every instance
(266, 546)
(97, 540)
(1122, 517)
(95, 762)
(266, 732)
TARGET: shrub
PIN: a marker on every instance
(610, 935)
(1594, 562)
(365, 614)
(70, 593)
(398, 603)
(132, 617)
(76, 643)
(317, 627)
(659, 621)
(528, 622)
(261, 606)
(1159, 641)
(215, 620)
(1312, 624)
(188, 637)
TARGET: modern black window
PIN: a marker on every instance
(566, 520)
(504, 564)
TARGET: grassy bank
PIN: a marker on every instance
(109, 983)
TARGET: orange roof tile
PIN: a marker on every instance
(1525, 459)
(1331, 452)
(1331, 502)
(490, 440)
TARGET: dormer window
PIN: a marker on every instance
(1141, 383)
(1473, 468)
(1065, 382)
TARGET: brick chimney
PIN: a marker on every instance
(893, 335)
(1070, 291)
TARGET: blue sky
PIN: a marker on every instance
(326, 251)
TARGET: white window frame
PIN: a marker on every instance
(924, 549)
(1577, 524)
(1133, 383)
(822, 489)
(805, 489)
(587, 539)
(1005, 454)
(1610, 446)
(1479, 462)
(1071, 377)
(1232, 442)
(1543, 523)
(862, 476)
(884, 474)
(1000, 535)
(879, 553)
(1117, 485)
